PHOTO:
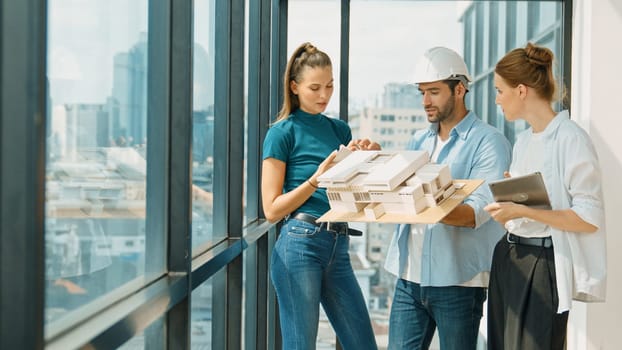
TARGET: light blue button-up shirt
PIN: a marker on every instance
(452, 255)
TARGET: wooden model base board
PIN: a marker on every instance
(430, 215)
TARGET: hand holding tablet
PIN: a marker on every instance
(528, 190)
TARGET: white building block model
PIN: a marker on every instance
(380, 182)
(392, 169)
(374, 210)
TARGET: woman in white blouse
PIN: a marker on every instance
(548, 257)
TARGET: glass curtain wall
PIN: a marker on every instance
(130, 92)
(96, 137)
(201, 316)
(203, 125)
(493, 28)
(203, 156)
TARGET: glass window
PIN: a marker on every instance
(151, 338)
(203, 124)
(479, 43)
(478, 89)
(97, 144)
(201, 315)
(468, 19)
(521, 21)
(494, 118)
(543, 15)
(548, 14)
(494, 40)
(381, 70)
(510, 25)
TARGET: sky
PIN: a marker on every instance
(83, 37)
(386, 38)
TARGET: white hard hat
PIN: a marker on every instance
(441, 63)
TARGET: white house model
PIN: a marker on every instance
(380, 182)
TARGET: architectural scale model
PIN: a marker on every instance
(379, 182)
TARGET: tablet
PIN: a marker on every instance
(527, 189)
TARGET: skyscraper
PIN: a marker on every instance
(129, 92)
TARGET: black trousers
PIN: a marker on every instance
(523, 300)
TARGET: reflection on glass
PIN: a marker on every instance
(151, 338)
(201, 316)
(385, 39)
(203, 123)
(96, 142)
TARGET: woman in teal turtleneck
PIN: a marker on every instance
(310, 262)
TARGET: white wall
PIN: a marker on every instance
(597, 74)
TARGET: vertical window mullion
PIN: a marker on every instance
(344, 70)
(228, 169)
(180, 205)
(22, 180)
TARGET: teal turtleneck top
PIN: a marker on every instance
(303, 141)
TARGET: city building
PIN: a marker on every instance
(401, 96)
(392, 128)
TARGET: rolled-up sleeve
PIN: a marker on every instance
(582, 179)
(491, 160)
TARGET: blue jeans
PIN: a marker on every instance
(417, 311)
(311, 266)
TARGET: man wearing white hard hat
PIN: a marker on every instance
(443, 268)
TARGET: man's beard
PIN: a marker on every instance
(443, 113)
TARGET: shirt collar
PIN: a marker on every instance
(461, 129)
(554, 124)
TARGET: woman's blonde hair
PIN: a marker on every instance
(531, 66)
(306, 55)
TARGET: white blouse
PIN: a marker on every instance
(530, 160)
(573, 179)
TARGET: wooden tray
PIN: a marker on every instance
(431, 215)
